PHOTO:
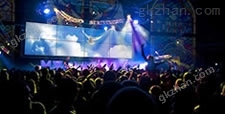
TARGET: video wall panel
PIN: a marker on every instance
(57, 40)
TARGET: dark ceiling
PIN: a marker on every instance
(210, 32)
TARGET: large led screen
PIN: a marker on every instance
(58, 40)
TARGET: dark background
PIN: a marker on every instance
(210, 32)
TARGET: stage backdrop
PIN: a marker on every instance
(58, 40)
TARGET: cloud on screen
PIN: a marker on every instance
(70, 47)
(120, 51)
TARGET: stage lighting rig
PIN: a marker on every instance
(46, 8)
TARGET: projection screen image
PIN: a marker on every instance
(58, 40)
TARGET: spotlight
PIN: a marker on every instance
(216, 64)
(55, 10)
(105, 28)
(129, 17)
(113, 27)
(47, 11)
(156, 52)
(135, 21)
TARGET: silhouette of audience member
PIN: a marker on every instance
(66, 95)
(152, 64)
(109, 76)
(47, 89)
(101, 97)
(156, 91)
(109, 92)
(37, 108)
(131, 100)
(130, 83)
(98, 82)
(145, 82)
(4, 76)
(14, 98)
(216, 103)
(185, 97)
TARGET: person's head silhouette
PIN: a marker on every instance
(150, 57)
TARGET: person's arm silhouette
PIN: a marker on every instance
(143, 53)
